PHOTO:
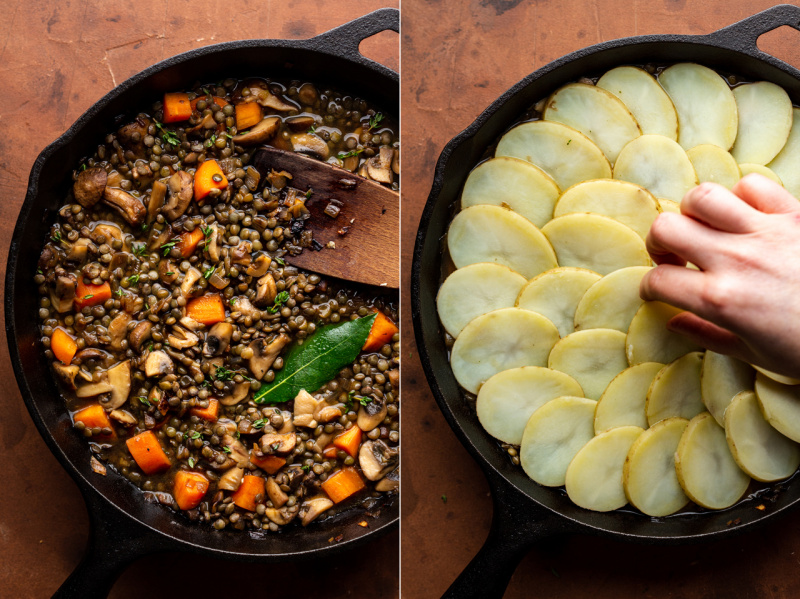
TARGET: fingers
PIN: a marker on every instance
(765, 195)
(719, 208)
(710, 336)
(676, 239)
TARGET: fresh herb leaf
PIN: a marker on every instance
(259, 424)
(83, 166)
(233, 301)
(342, 156)
(146, 307)
(145, 226)
(169, 274)
(196, 435)
(57, 237)
(168, 136)
(133, 279)
(280, 299)
(280, 261)
(210, 141)
(167, 247)
(226, 449)
(140, 250)
(223, 374)
(309, 193)
(209, 271)
(364, 400)
(191, 462)
(275, 446)
(305, 468)
(144, 401)
(444, 498)
(205, 91)
(90, 296)
(118, 293)
(375, 120)
(312, 129)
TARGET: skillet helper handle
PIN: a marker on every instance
(742, 36)
(346, 38)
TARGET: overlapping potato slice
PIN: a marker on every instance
(781, 378)
(595, 242)
(625, 202)
(507, 400)
(594, 476)
(499, 235)
(593, 358)
(555, 294)
(599, 115)
(612, 301)
(785, 163)
(499, 340)
(644, 97)
(650, 341)
(658, 164)
(552, 437)
(761, 451)
(675, 392)
(705, 105)
(562, 152)
(747, 168)
(474, 290)
(765, 119)
(649, 477)
(624, 400)
(514, 183)
(712, 163)
(780, 405)
(706, 469)
(721, 379)
(669, 205)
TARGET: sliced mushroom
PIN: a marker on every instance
(157, 196)
(66, 374)
(189, 279)
(167, 272)
(390, 482)
(190, 324)
(131, 209)
(158, 363)
(218, 339)
(92, 353)
(275, 493)
(319, 444)
(243, 306)
(182, 339)
(273, 443)
(307, 94)
(300, 123)
(212, 247)
(158, 238)
(241, 254)
(123, 417)
(180, 195)
(101, 385)
(132, 135)
(313, 507)
(104, 233)
(394, 377)
(259, 266)
(79, 250)
(118, 329)
(264, 356)
(266, 290)
(228, 426)
(259, 133)
(88, 187)
(379, 167)
(328, 413)
(376, 459)
(140, 334)
(396, 161)
(282, 516)
(288, 425)
(119, 377)
(371, 415)
(239, 393)
(308, 143)
(305, 405)
(231, 479)
(237, 451)
(64, 293)
(270, 100)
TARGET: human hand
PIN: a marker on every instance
(744, 301)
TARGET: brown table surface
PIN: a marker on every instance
(456, 59)
(57, 59)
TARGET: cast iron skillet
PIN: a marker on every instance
(525, 512)
(123, 526)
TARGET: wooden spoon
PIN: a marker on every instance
(362, 242)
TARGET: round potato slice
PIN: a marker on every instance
(781, 378)
(494, 234)
(562, 152)
(706, 469)
(474, 290)
(780, 405)
(650, 341)
(712, 163)
(612, 301)
(658, 164)
(507, 400)
(594, 476)
(552, 437)
(669, 205)
(515, 183)
(595, 242)
(625, 202)
(761, 451)
(555, 294)
(623, 402)
(721, 379)
(593, 358)
(649, 477)
(599, 115)
(747, 168)
(765, 119)
(785, 163)
(705, 105)
(644, 97)
(499, 340)
(675, 392)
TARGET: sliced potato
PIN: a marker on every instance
(658, 164)
(499, 340)
(765, 119)
(705, 105)
(594, 476)
(649, 477)
(474, 290)
(669, 205)
(507, 400)
(623, 402)
(552, 437)
(761, 451)
(785, 163)
(595, 242)
(650, 341)
(612, 301)
(599, 115)
(675, 392)
(781, 378)
(706, 469)
(555, 294)
(747, 168)
(645, 98)
(625, 202)
(515, 183)
(593, 358)
(562, 152)
(712, 163)
(780, 405)
(494, 234)
(721, 379)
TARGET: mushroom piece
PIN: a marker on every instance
(307, 94)
(371, 415)
(118, 329)
(182, 339)
(231, 479)
(241, 254)
(282, 516)
(158, 238)
(379, 167)
(104, 233)
(218, 339)
(313, 507)
(238, 453)
(66, 374)
(123, 417)
(396, 161)
(132, 135)
(101, 385)
(300, 123)
(259, 266)
(390, 482)
(273, 443)
(288, 425)
(264, 356)
(270, 100)
(167, 272)
(131, 209)
(180, 195)
(260, 132)
(189, 279)
(64, 293)
(308, 143)
(211, 246)
(92, 353)
(78, 251)
(305, 405)
(275, 493)
(376, 459)
(119, 377)
(266, 290)
(328, 413)
(243, 306)
(158, 363)
(157, 196)
(140, 334)
(89, 185)
(239, 392)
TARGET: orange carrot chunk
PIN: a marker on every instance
(247, 115)
(221, 102)
(189, 489)
(63, 346)
(208, 176)
(210, 413)
(330, 452)
(207, 309)
(245, 495)
(349, 440)
(380, 334)
(269, 463)
(188, 240)
(95, 417)
(343, 484)
(90, 295)
(177, 107)
(147, 452)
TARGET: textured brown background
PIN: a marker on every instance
(457, 57)
(56, 59)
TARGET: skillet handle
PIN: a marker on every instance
(346, 38)
(742, 36)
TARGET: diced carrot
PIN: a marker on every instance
(245, 495)
(177, 107)
(208, 176)
(147, 452)
(248, 115)
(63, 346)
(189, 489)
(207, 309)
(95, 417)
(330, 452)
(210, 413)
(188, 240)
(343, 484)
(349, 440)
(221, 102)
(91, 295)
(269, 463)
(380, 334)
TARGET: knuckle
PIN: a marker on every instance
(717, 295)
